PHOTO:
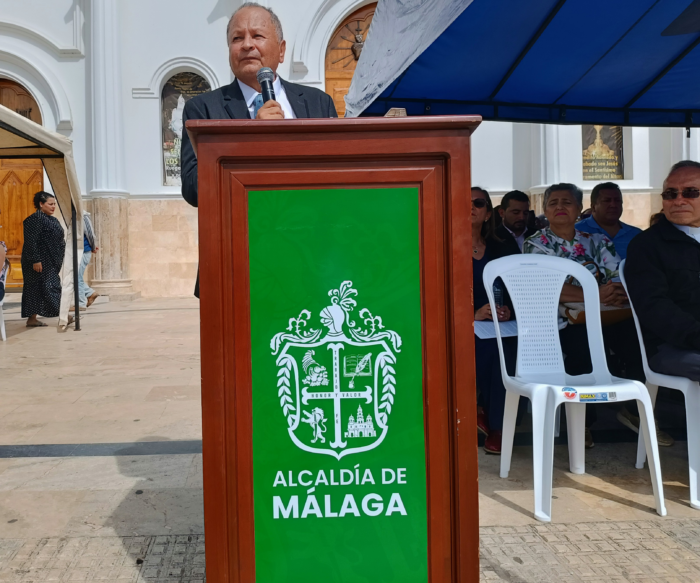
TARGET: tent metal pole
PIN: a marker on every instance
(76, 294)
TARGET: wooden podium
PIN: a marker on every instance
(338, 392)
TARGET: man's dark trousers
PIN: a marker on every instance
(676, 362)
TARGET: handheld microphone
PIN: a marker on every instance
(265, 78)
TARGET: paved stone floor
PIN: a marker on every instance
(101, 480)
(157, 559)
(660, 551)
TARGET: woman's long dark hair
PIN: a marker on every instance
(488, 228)
(41, 197)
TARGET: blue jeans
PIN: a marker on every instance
(84, 290)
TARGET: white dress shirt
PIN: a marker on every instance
(693, 232)
(519, 240)
(249, 94)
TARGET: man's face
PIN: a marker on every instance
(608, 207)
(515, 216)
(683, 211)
(253, 44)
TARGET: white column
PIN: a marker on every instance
(545, 161)
(691, 145)
(109, 177)
(109, 188)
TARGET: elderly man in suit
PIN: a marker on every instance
(255, 40)
(663, 276)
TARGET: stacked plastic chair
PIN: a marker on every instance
(534, 283)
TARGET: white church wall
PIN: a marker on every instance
(42, 47)
(158, 48)
(492, 157)
(48, 23)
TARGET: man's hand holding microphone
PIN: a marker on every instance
(271, 109)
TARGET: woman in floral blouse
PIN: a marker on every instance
(561, 239)
(562, 205)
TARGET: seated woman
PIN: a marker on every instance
(562, 205)
(492, 394)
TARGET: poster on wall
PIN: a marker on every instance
(602, 153)
(179, 89)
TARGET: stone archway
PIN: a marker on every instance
(343, 52)
(19, 181)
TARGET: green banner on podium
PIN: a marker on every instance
(338, 428)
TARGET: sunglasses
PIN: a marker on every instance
(479, 202)
(672, 193)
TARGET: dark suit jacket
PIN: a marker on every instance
(663, 276)
(506, 236)
(228, 103)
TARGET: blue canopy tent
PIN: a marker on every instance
(614, 62)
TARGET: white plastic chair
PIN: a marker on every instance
(691, 392)
(534, 283)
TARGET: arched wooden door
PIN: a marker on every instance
(19, 180)
(344, 51)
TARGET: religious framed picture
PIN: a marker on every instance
(179, 89)
(602, 153)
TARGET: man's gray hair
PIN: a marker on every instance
(575, 191)
(273, 17)
(683, 164)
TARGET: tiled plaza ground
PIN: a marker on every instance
(115, 494)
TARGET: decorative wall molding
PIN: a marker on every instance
(174, 194)
(76, 50)
(170, 68)
(309, 52)
(44, 86)
(78, 25)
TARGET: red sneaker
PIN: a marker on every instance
(493, 443)
(481, 421)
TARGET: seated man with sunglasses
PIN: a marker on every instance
(663, 277)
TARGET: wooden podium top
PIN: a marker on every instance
(210, 127)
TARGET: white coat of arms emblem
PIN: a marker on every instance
(337, 383)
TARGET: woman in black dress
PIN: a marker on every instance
(42, 259)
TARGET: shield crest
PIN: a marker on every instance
(337, 383)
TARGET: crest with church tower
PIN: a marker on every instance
(326, 374)
(362, 427)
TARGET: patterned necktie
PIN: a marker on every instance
(257, 104)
